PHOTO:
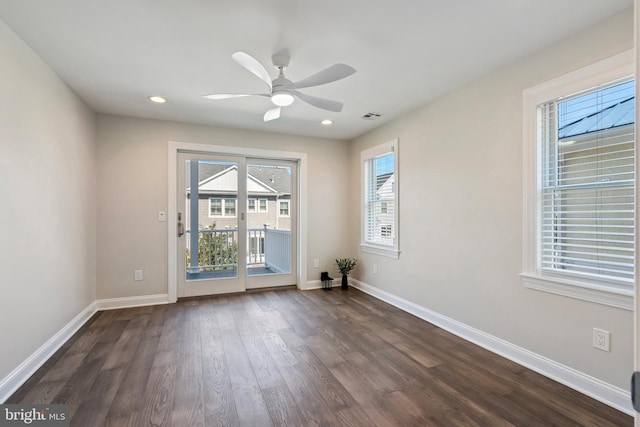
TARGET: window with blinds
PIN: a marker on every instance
(380, 199)
(587, 184)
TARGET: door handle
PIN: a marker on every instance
(180, 225)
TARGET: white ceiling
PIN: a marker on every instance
(115, 53)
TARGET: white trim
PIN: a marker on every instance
(128, 302)
(611, 69)
(597, 389)
(380, 250)
(172, 167)
(23, 372)
(599, 294)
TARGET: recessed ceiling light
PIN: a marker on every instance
(326, 122)
(157, 99)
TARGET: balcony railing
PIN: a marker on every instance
(218, 250)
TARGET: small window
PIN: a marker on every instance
(284, 207)
(380, 199)
(262, 205)
(215, 207)
(229, 207)
(251, 206)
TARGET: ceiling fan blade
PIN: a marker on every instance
(325, 104)
(272, 114)
(328, 75)
(233, 95)
(252, 64)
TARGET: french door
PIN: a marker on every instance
(236, 223)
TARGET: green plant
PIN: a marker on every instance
(216, 251)
(345, 265)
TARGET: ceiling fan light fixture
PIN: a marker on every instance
(326, 122)
(157, 99)
(282, 99)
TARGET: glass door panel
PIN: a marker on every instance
(271, 221)
(212, 242)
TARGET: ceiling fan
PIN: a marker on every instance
(283, 91)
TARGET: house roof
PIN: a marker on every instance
(616, 115)
(382, 179)
(277, 178)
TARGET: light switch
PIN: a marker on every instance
(162, 216)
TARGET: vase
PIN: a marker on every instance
(345, 282)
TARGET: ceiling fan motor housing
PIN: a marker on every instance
(280, 96)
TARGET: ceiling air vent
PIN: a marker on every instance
(372, 116)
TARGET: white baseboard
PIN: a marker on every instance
(128, 302)
(23, 372)
(606, 393)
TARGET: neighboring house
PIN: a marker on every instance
(385, 210)
(269, 196)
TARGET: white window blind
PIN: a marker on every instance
(587, 184)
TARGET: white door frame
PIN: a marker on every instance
(636, 306)
(172, 220)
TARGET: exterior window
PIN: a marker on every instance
(380, 199)
(262, 205)
(215, 207)
(229, 207)
(222, 207)
(584, 209)
(284, 207)
(251, 207)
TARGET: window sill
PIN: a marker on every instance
(610, 296)
(380, 250)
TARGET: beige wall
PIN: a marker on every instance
(47, 212)
(461, 214)
(132, 188)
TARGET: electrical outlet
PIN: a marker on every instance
(375, 268)
(601, 339)
(137, 275)
(316, 263)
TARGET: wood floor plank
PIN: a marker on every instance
(219, 404)
(313, 358)
(158, 397)
(249, 401)
(282, 406)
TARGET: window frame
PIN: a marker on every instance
(266, 206)
(612, 293)
(287, 202)
(223, 207)
(255, 205)
(393, 250)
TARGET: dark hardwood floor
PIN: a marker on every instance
(339, 358)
